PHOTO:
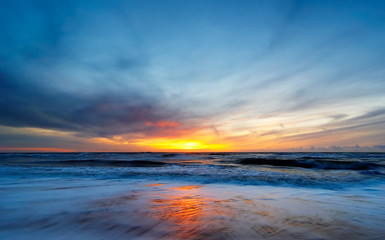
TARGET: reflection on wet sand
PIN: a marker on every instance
(188, 214)
(161, 211)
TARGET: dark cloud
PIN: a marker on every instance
(28, 140)
(112, 94)
(102, 68)
(26, 104)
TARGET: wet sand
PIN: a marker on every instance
(139, 209)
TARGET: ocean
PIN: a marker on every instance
(192, 195)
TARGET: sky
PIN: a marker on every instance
(189, 75)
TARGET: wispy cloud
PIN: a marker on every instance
(219, 70)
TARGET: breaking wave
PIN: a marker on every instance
(314, 163)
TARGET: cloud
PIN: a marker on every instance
(338, 148)
(272, 132)
(371, 114)
(163, 124)
(86, 72)
(104, 114)
(107, 68)
(339, 116)
(291, 13)
(364, 128)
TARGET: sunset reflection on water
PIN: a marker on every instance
(189, 214)
(153, 210)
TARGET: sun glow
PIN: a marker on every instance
(167, 144)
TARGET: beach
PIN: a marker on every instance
(188, 197)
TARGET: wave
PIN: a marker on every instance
(203, 175)
(313, 163)
(104, 163)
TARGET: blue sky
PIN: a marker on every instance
(138, 75)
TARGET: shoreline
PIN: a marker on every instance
(138, 209)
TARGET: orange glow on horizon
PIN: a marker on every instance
(169, 144)
(164, 144)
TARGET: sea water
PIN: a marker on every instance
(192, 195)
